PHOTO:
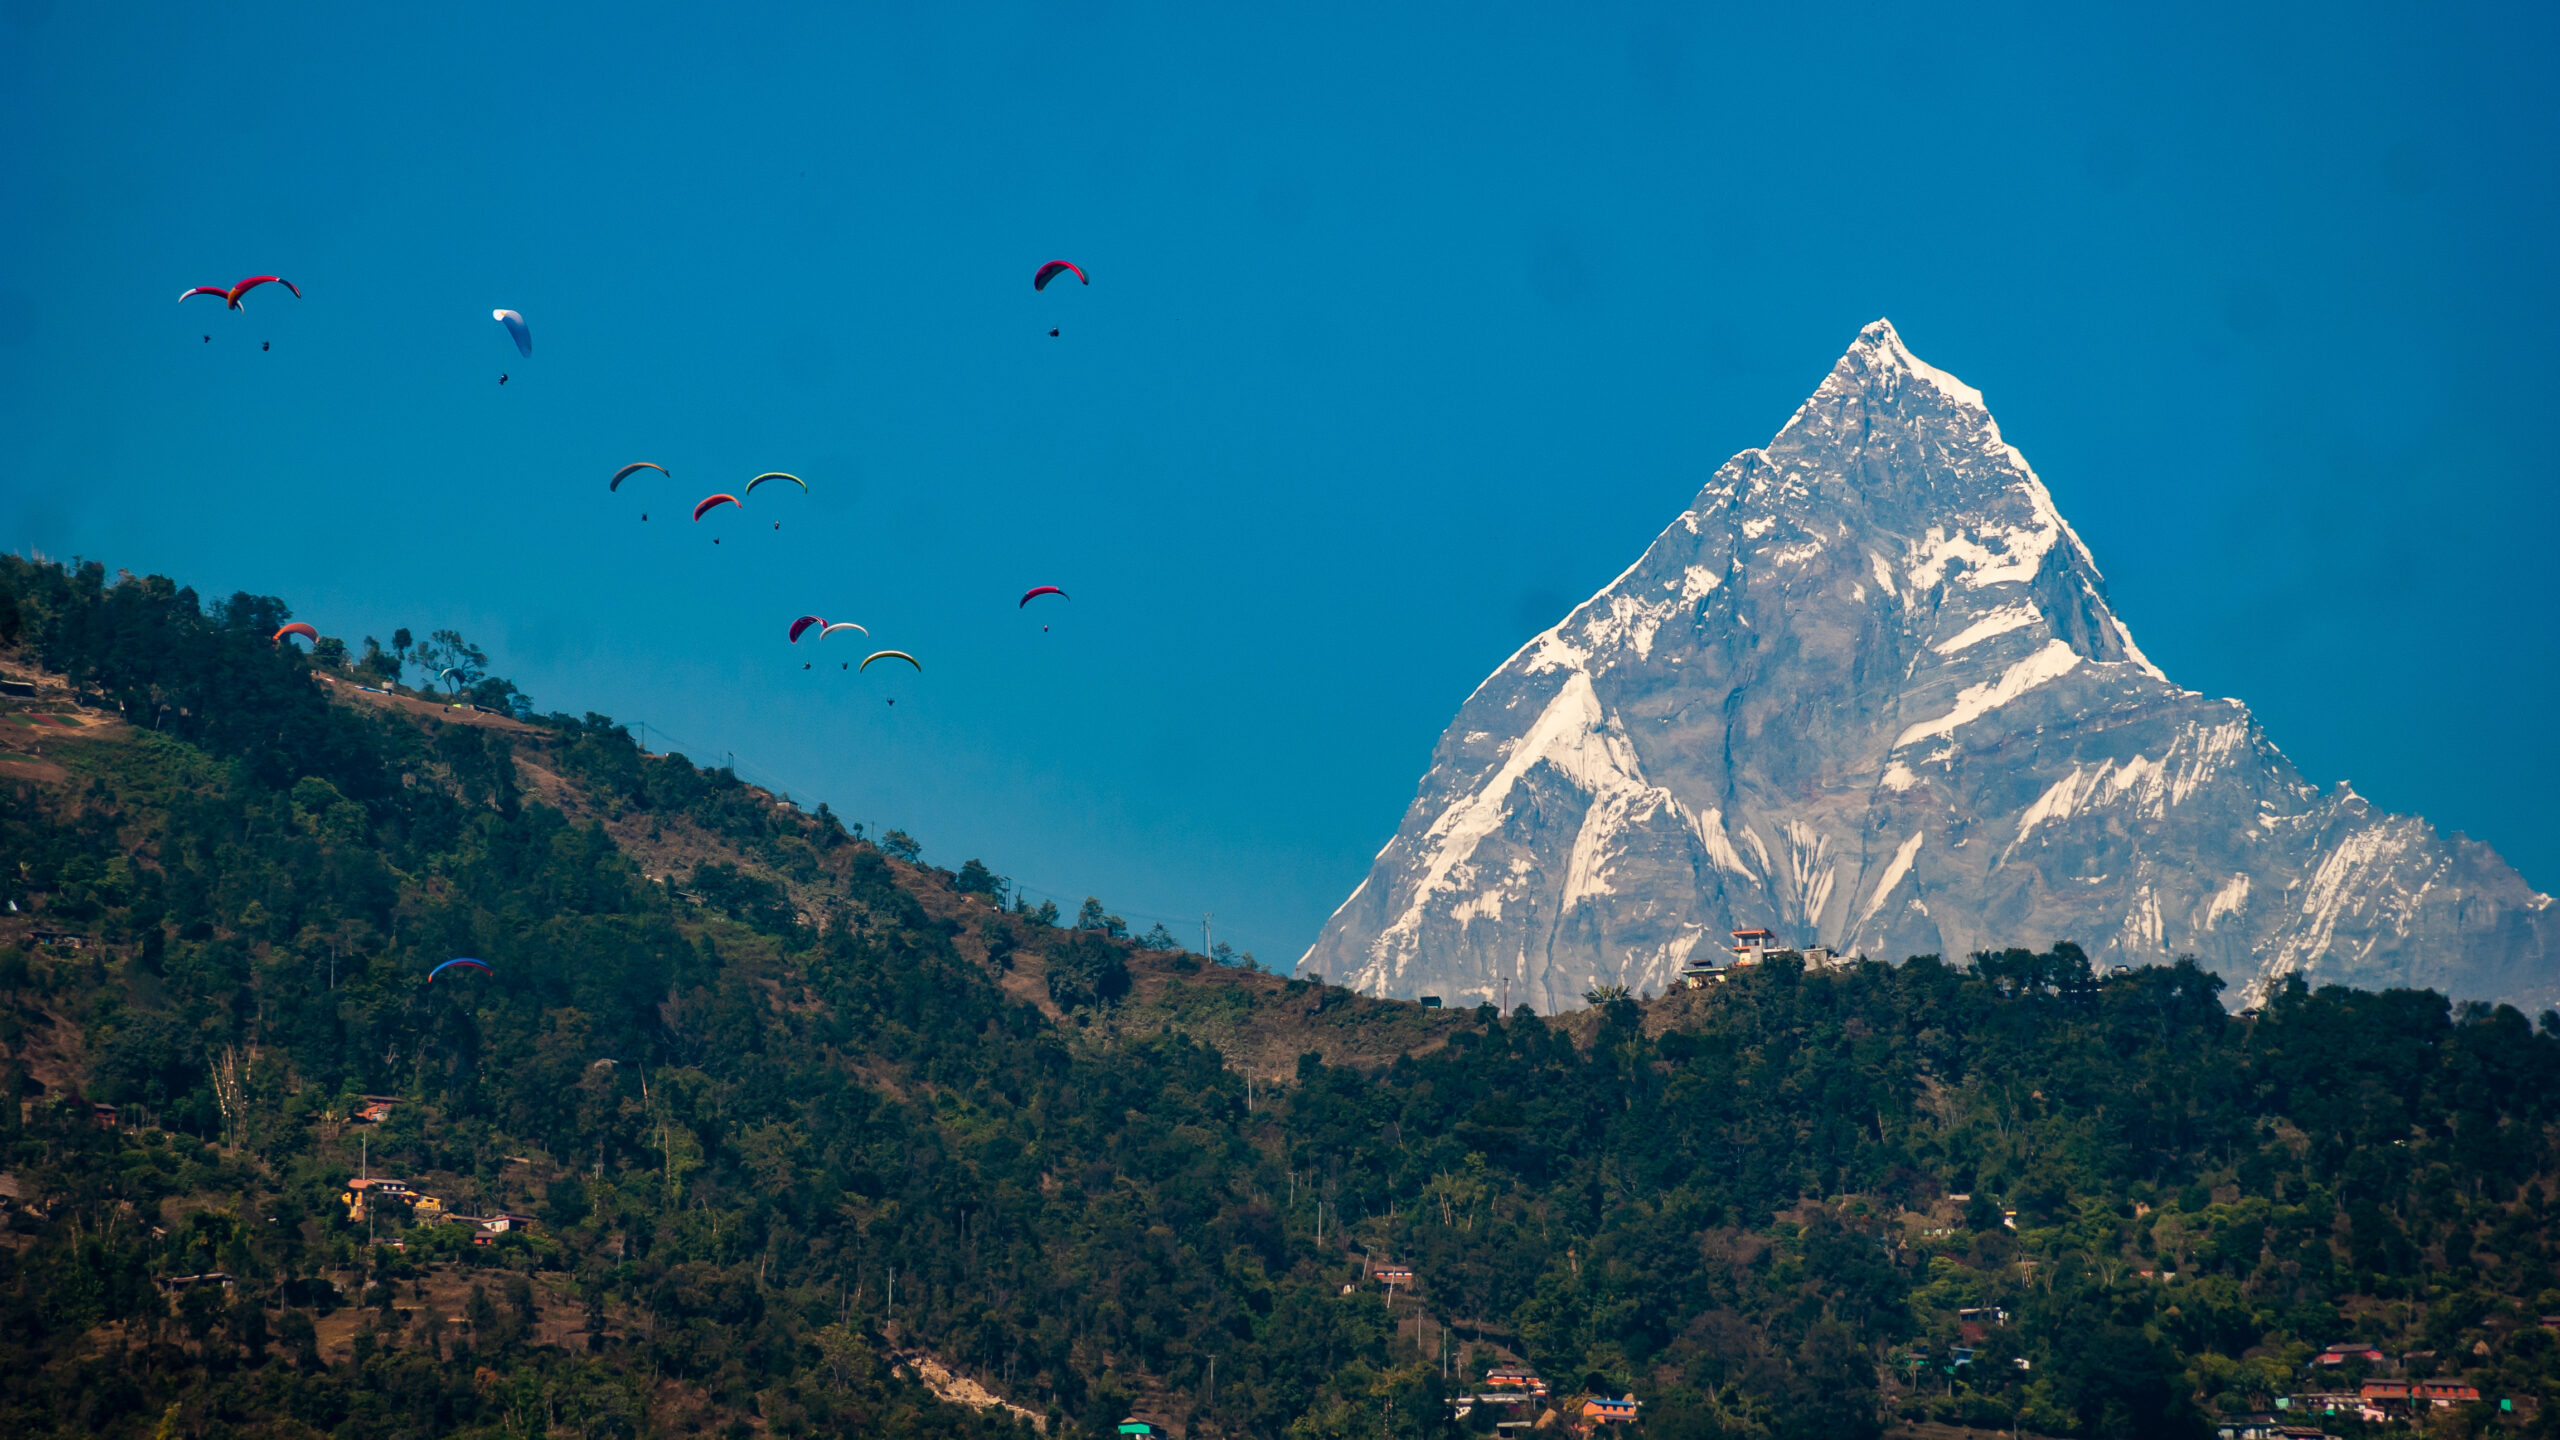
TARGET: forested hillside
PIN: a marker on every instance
(779, 1111)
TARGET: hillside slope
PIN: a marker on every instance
(777, 1112)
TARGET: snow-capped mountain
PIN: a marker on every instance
(1867, 691)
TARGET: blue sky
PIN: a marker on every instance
(1409, 327)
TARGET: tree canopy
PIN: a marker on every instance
(787, 1109)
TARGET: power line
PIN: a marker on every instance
(1025, 887)
(779, 784)
(748, 770)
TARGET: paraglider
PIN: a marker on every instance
(775, 475)
(1036, 591)
(502, 377)
(803, 623)
(297, 628)
(478, 965)
(1053, 270)
(713, 503)
(843, 625)
(231, 297)
(452, 677)
(266, 344)
(892, 655)
(627, 471)
(516, 327)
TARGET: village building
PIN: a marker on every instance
(2333, 1403)
(2378, 1399)
(361, 1192)
(222, 1278)
(1597, 1410)
(1750, 947)
(2341, 1353)
(2267, 1427)
(490, 1227)
(1515, 1379)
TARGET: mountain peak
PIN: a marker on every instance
(1868, 689)
(1879, 354)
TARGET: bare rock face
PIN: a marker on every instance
(1867, 691)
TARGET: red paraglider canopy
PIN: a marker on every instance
(298, 628)
(1036, 591)
(1053, 270)
(803, 623)
(716, 500)
(231, 297)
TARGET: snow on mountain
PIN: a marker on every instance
(1867, 691)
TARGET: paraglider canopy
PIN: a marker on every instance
(843, 625)
(1036, 591)
(803, 623)
(449, 964)
(231, 297)
(297, 628)
(516, 327)
(626, 472)
(713, 502)
(892, 655)
(774, 475)
(1053, 270)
